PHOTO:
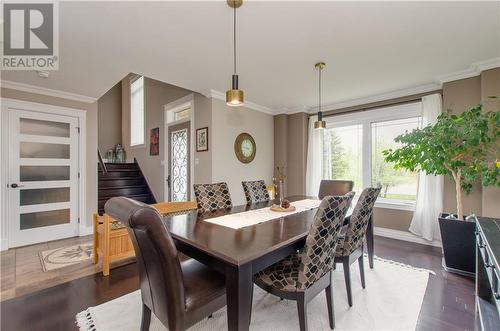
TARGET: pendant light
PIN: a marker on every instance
(234, 96)
(320, 124)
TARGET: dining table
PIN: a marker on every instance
(240, 253)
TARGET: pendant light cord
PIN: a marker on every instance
(234, 39)
(319, 107)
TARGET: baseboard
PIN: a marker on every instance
(85, 231)
(405, 236)
(4, 244)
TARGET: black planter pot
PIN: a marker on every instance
(459, 245)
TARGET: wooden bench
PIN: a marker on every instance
(111, 239)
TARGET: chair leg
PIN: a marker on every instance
(347, 276)
(362, 270)
(302, 310)
(329, 302)
(146, 318)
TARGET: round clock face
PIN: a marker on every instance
(245, 148)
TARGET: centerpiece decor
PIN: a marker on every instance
(465, 147)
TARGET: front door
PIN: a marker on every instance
(179, 162)
(42, 177)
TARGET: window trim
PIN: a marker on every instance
(143, 144)
(365, 119)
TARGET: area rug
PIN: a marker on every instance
(391, 301)
(65, 256)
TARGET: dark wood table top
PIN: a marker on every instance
(239, 246)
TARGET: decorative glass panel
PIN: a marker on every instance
(42, 150)
(44, 218)
(43, 173)
(44, 128)
(179, 165)
(44, 195)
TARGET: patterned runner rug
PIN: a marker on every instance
(391, 301)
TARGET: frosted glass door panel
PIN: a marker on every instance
(44, 128)
(44, 151)
(45, 195)
(44, 218)
(44, 173)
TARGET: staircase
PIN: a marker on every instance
(122, 180)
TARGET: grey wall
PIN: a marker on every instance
(109, 121)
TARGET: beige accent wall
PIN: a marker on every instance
(109, 123)
(91, 142)
(156, 95)
(459, 96)
(203, 160)
(227, 124)
(490, 86)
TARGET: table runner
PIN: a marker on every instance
(256, 216)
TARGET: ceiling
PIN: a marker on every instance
(370, 48)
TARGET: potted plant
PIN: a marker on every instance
(465, 147)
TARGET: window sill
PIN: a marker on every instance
(398, 205)
(137, 146)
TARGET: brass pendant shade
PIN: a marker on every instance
(320, 124)
(234, 96)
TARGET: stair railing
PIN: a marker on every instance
(101, 162)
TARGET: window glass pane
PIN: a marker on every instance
(181, 114)
(44, 218)
(44, 195)
(43, 173)
(44, 128)
(396, 184)
(137, 112)
(43, 150)
(342, 154)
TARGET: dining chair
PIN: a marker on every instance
(255, 191)
(334, 187)
(304, 274)
(350, 243)
(210, 197)
(179, 294)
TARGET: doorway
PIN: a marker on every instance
(42, 174)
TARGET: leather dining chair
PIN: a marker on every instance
(304, 274)
(179, 294)
(334, 187)
(350, 243)
(255, 191)
(211, 197)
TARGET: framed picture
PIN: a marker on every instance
(202, 139)
(154, 142)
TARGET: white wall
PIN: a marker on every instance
(227, 124)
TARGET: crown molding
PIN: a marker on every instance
(248, 104)
(379, 97)
(474, 70)
(46, 91)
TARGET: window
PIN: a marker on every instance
(353, 146)
(182, 114)
(396, 184)
(137, 112)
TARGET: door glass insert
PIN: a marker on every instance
(179, 165)
(43, 173)
(43, 150)
(44, 218)
(45, 195)
(44, 128)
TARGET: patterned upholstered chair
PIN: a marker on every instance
(350, 244)
(210, 197)
(255, 191)
(303, 275)
(334, 187)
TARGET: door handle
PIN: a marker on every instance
(168, 180)
(16, 185)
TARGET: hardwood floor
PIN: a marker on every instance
(448, 302)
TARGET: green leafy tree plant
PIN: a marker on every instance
(465, 146)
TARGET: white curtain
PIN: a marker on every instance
(314, 170)
(430, 188)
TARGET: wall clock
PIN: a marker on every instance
(245, 148)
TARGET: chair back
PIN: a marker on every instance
(255, 191)
(358, 223)
(210, 197)
(334, 187)
(318, 255)
(160, 273)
